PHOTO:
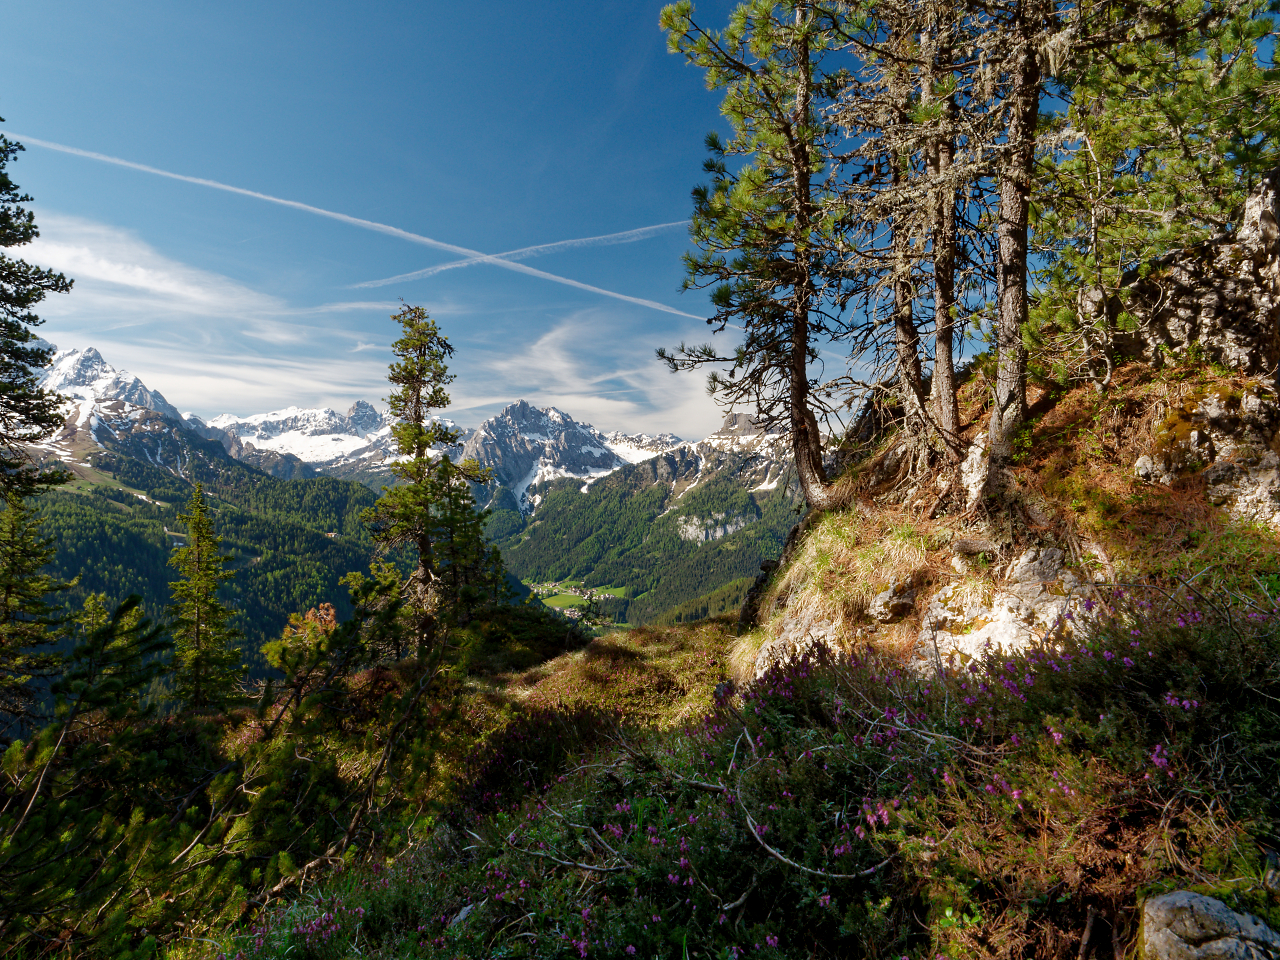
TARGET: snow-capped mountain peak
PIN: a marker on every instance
(84, 375)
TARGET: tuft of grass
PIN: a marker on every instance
(847, 558)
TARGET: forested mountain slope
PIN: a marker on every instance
(115, 526)
(669, 530)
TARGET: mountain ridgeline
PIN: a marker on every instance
(663, 522)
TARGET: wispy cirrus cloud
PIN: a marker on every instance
(214, 345)
(600, 369)
(207, 342)
(117, 273)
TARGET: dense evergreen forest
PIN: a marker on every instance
(114, 543)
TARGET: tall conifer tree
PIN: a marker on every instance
(208, 669)
(765, 229)
(27, 412)
(432, 510)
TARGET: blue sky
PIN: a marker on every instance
(487, 128)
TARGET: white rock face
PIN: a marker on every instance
(973, 471)
(1223, 296)
(1189, 926)
(1236, 436)
(699, 530)
(1041, 598)
(799, 637)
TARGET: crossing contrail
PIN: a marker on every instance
(608, 239)
(470, 255)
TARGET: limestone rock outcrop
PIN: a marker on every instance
(1221, 297)
(1040, 597)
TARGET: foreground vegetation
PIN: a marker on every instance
(842, 807)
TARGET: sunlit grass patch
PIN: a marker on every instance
(844, 561)
(647, 675)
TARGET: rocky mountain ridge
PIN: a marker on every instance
(111, 410)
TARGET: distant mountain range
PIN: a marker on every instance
(522, 446)
(669, 520)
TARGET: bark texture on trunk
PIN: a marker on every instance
(907, 339)
(1011, 268)
(906, 335)
(943, 394)
(806, 439)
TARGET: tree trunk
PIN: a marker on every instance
(806, 439)
(422, 590)
(1011, 267)
(906, 336)
(943, 395)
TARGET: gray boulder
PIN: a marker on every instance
(1189, 926)
(893, 604)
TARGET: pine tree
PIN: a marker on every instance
(1162, 141)
(432, 510)
(208, 670)
(29, 623)
(27, 412)
(765, 228)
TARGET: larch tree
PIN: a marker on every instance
(766, 227)
(208, 671)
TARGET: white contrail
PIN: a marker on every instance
(608, 239)
(355, 221)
